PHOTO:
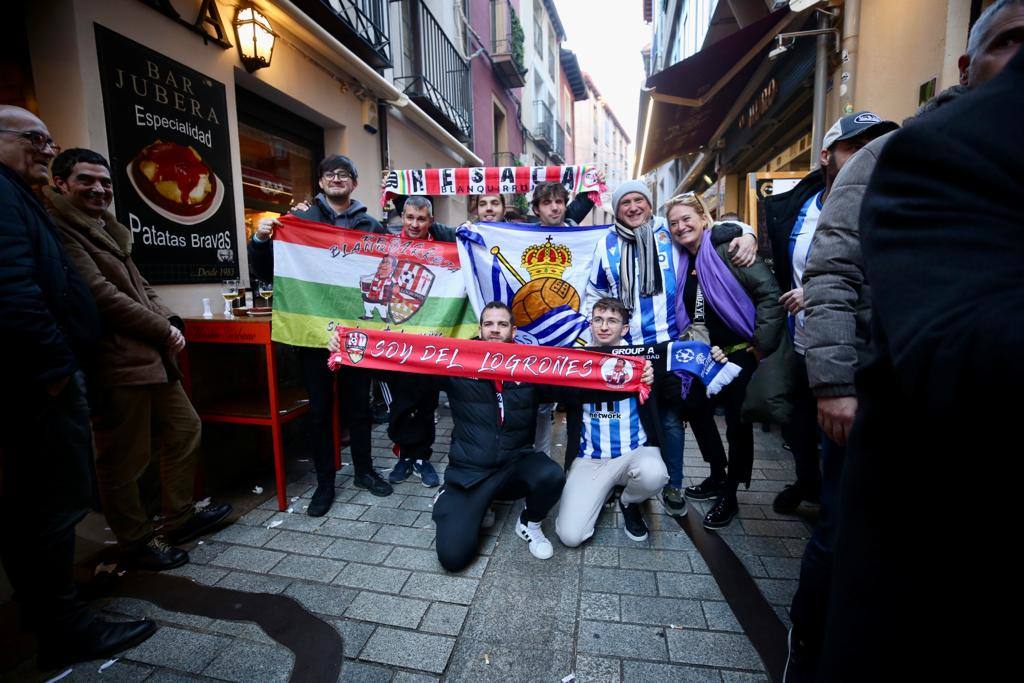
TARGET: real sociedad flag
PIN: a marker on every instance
(540, 272)
(694, 358)
(561, 326)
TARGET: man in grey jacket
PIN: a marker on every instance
(837, 297)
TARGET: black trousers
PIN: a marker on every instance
(47, 489)
(411, 415)
(458, 511)
(699, 411)
(354, 399)
(802, 432)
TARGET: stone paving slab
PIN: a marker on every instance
(613, 610)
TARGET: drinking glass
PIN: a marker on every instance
(229, 290)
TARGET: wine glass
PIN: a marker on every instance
(265, 290)
(229, 290)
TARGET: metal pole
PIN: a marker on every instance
(851, 33)
(818, 115)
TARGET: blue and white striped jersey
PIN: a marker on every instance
(611, 429)
(653, 318)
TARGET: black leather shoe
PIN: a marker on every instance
(323, 498)
(200, 523)
(722, 512)
(156, 556)
(374, 483)
(709, 488)
(99, 640)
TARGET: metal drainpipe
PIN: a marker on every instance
(851, 35)
(818, 115)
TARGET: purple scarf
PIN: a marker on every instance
(722, 291)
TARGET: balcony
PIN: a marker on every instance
(439, 78)
(557, 152)
(507, 45)
(544, 126)
(360, 25)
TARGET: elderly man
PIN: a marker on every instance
(48, 324)
(636, 263)
(141, 410)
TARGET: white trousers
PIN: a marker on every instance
(590, 481)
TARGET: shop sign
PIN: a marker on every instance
(207, 20)
(759, 105)
(170, 153)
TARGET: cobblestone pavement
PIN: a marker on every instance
(613, 610)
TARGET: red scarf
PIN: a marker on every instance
(496, 361)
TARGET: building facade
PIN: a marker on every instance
(387, 84)
(601, 140)
(754, 133)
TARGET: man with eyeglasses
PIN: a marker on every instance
(616, 444)
(48, 326)
(335, 206)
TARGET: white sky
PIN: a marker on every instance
(606, 36)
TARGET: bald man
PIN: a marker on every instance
(48, 322)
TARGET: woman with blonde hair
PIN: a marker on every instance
(736, 311)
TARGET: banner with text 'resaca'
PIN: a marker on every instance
(540, 272)
(327, 277)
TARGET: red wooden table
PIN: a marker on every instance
(273, 408)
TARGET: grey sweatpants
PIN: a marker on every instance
(590, 481)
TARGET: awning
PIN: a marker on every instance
(686, 104)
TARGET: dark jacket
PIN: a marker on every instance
(780, 213)
(836, 293)
(136, 323)
(942, 234)
(48, 321)
(356, 217)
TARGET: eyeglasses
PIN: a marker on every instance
(337, 175)
(38, 141)
(601, 322)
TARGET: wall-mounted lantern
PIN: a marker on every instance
(255, 38)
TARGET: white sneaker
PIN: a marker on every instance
(488, 521)
(540, 546)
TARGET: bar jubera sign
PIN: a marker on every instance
(170, 156)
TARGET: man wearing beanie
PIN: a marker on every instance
(636, 263)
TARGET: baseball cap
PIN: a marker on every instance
(855, 125)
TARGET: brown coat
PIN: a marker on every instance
(136, 324)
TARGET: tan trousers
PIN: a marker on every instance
(590, 481)
(135, 425)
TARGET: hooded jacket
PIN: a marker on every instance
(135, 322)
(355, 217)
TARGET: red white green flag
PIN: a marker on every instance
(327, 277)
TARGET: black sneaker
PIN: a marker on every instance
(200, 523)
(706, 490)
(374, 483)
(633, 521)
(156, 555)
(322, 500)
(100, 639)
(673, 500)
(722, 512)
(789, 499)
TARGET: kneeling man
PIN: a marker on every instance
(618, 447)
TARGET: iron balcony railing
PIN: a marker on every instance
(558, 149)
(440, 79)
(544, 126)
(361, 25)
